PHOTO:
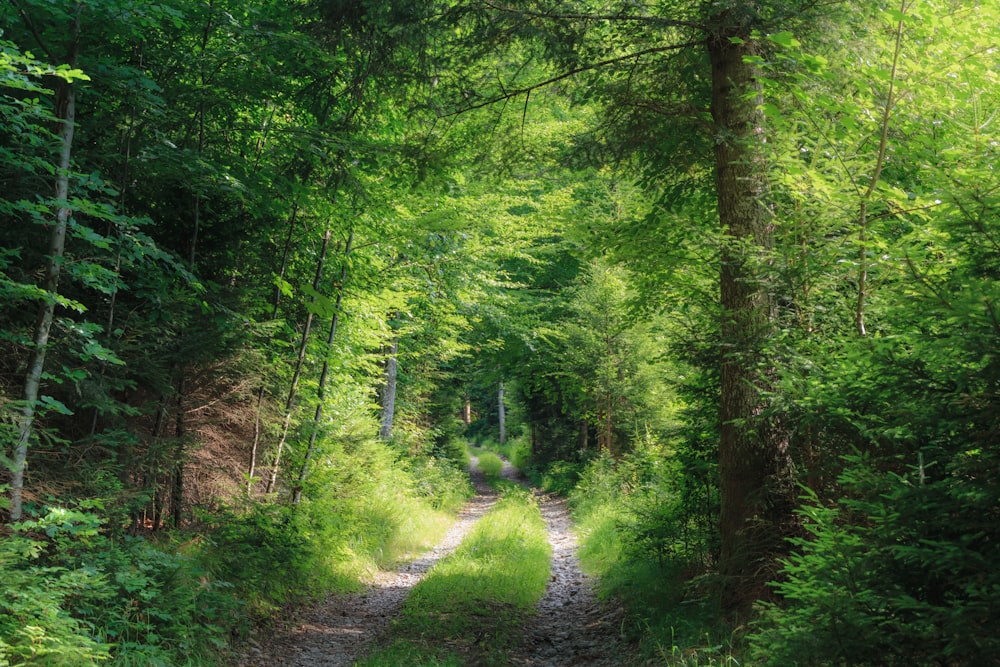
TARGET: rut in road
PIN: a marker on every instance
(571, 627)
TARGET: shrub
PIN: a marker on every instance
(903, 571)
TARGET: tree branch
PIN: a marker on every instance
(565, 75)
(658, 20)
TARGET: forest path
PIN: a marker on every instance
(570, 626)
(340, 630)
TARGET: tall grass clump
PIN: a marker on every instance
(490, 464)
(366, 509)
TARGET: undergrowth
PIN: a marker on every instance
(77, 590)
(635, 541)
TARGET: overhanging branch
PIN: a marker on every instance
(634, 18)
(509, 94)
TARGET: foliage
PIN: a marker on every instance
(74, 596)
(644, 543)
(901, 571)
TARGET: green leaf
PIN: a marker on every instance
(50, 403)
(784, 38)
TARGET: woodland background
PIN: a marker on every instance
(724, 272)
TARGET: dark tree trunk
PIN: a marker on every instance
(177, 476)
(752, 447)
(502, 414)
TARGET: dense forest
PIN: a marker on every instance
(723, 273)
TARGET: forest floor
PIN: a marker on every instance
(570, 627)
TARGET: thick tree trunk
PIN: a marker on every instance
(389, 391)
(752, 447)
(66, 108)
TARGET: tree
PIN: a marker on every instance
(661, 69)
(65, 119)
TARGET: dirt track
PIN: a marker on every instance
(571, 627)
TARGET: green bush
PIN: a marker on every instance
(561, 477)
(72, 595)
(638, 538)
(903, 571)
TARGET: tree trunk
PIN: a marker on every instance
(389, 392)
(752, 448)
(276, 304)
(502, 414)
(321, 391)
(299, 363)
(180, 433)
(467, 411)
(66, 110)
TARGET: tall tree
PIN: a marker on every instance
(65, 117)
(660, 68)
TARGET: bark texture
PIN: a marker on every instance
(389, 391)
(752, 446)
(66, 109)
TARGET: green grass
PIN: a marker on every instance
(490, 464)
(480, 594)
(675, 620)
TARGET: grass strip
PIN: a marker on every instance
(480, 594)
(491, 465)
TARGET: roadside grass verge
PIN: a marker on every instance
(630, 528)
(476, 598)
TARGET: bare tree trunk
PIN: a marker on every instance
(66, 110)
(752, 449)
(389, 392)
(274, 314)
(467, 411)
(863, 232)
(502, 414)
(321, 391)
(299, 362)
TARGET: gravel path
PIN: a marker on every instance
(570, 628)
(338, 632)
